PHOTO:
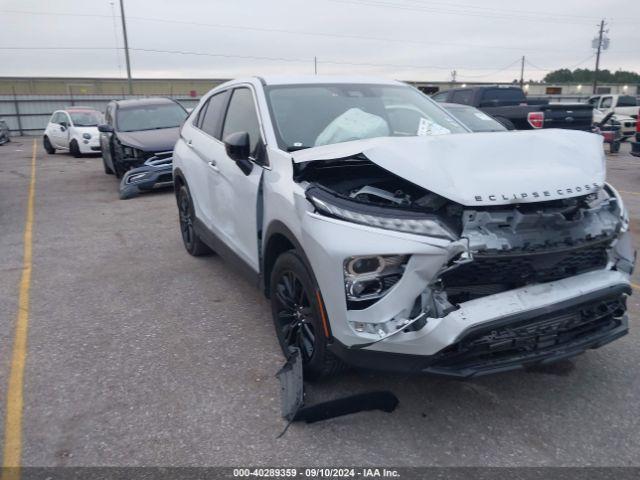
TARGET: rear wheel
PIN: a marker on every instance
(298, 317)
(190, 238)
(47, 146)
(74, 149)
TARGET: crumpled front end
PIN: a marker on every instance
(462, 290)
(156, 172)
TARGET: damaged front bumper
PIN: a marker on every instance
(156, 172)
(538, 323)
(492, 343)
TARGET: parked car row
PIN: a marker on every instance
(387, 230)
(511, 107)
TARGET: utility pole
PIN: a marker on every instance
(454, 74)
(126, 47)
(595, 74)
(522, 73)
(315, 65)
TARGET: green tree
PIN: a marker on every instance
(584, 75)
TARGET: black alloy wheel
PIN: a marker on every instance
(294, 315)
(299, 318)
(192, 242)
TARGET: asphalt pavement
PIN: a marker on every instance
(139, 354)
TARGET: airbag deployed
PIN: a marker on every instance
(354, 124)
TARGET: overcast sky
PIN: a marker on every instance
(404, 39)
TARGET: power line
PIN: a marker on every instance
(571, 67)
(304, 33)
(494, 72)
(257, 57)
(444, 11)
(504, 10)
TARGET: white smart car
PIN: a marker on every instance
(74, 130)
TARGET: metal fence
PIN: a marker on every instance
(29, 114)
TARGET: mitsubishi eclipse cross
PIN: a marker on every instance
(388, 235)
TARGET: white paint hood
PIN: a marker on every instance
(492, 168)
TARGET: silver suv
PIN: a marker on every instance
(387, 235)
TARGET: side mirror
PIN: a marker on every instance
(63, 125)
(237, 146)
(238, 149)
(104, 128)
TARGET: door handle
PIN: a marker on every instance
(189, 144)
(213, 166)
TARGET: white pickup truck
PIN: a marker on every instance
(619, 104)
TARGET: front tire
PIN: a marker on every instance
(298, 318)
(74, 149)
(614, 147)
(47, 146)
(107, 170)
(192, 242)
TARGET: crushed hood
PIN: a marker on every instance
(491, 168)
(159, 140)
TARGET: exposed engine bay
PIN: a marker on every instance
(508, 246)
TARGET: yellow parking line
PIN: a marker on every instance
(629, 193)
(635, 285)
(13, 416)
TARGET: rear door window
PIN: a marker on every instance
(211, 115)
(503, 96)
(462, 96)
(627, 101)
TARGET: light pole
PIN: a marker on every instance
(126, 47)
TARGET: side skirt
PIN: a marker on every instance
(225, 252)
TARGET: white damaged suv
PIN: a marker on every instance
(387, 235)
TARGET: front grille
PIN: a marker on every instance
(491, 346)
(491, 273)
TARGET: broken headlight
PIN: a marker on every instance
(130, 152)
(373, 216)
(368, 278)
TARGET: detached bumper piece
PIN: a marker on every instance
(292, 397)
(536, 338)
(155, 172)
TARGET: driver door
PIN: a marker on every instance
(58, 133)
(234, 194)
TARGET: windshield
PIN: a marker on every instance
(473, 118)
(627, 101)
(309, 115)
(150, 117)
(85, 118)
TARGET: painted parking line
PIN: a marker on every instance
(629, 193)
(13, 414)
(635, 285)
